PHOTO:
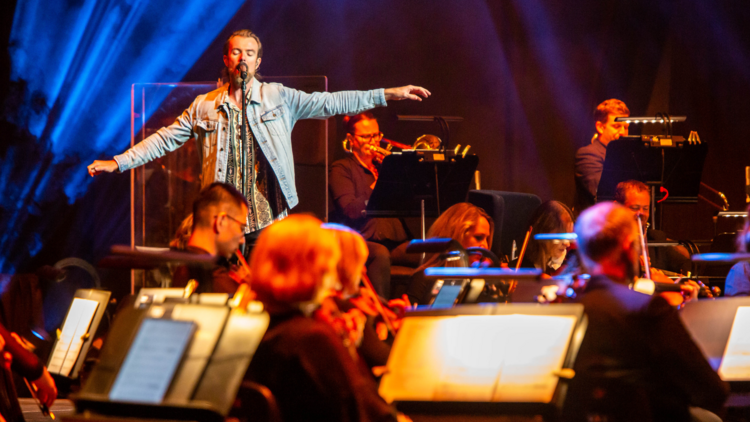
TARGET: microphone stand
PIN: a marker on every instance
(245, 147)
(243, 133)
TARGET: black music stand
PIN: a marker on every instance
(204, 383)
(407, 179)
(678, 169)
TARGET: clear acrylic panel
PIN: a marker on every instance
(163, 191)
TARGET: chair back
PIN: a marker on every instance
(510, 212)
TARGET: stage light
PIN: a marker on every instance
(77, 70)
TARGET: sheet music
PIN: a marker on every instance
(152, 360)
(69, 344)
(502, 358)
(735, 365)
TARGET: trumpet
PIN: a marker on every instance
(377, 150)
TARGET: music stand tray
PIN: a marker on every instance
(406, 179)
(678, 169)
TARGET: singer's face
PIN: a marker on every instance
(638, 202)
(242, 49)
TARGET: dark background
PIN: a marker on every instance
(525, 75)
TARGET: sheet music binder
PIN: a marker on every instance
(497, 366)
(407, 178)
(679, 170)
(206, 381)
(80, 324)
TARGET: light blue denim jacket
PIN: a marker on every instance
(272, 113)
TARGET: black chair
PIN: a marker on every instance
(511, 212)
(255, 402)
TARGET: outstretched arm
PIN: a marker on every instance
(409, 92)
(102, 166)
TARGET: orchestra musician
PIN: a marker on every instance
(13, 356)
(356, 302)
(218, 230)
(215, 121)
(548, 256)
(301, 359)
(465, 223)
(738, 279)
(636, 361)
(589, 160)
(351, 181)
(636, 197)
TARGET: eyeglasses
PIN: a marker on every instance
(371, 137)
(243, 224)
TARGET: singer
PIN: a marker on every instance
(215, 121)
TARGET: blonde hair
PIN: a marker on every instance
(455, 223)
(182, 234)
(354, 253)
(291, 261)
(457, 220)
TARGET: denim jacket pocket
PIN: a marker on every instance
(273, 120)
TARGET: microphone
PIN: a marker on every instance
(242, 67)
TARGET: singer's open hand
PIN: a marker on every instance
(99, 166)
(409, 92)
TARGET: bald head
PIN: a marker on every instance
(608, 237)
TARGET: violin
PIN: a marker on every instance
(693, 289)
(240, 273)
(347, 325)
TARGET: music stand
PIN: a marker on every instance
(677, 168)
(203, 385)
(406, 180)
(710, 323)
(488, 360)
(81, 322)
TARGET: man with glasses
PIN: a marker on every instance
(636, 197)
(219, 225)
(351, 181)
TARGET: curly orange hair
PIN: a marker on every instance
(292, 261)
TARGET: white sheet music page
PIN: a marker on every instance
(501, 358)
(69, 345)
(735, 365)
(152, 360)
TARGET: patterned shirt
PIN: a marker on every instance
(266, 203)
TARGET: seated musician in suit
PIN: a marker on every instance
(303, 361)
(738, 279)
(465, 223)
(636, 197)
(589, 160)
(637, 361)
(351, 181)
(218, 229)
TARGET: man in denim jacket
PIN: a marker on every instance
(214, 120)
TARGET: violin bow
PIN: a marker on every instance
(379, 306)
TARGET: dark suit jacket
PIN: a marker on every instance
(588, 171)
(312, 376)
(637, 362)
